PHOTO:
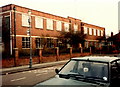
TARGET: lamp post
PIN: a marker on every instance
(14, 34)
(29, 21)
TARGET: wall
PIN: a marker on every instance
(36, 60)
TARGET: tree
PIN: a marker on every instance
(73, 38)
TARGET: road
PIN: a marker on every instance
(28, 78)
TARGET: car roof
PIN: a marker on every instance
(97, 58)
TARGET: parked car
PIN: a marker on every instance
(89, 71)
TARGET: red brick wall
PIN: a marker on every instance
(25, 61)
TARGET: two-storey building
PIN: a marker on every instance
(18, 23)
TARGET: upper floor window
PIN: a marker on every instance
(102, 33)
(58, 25)
(25, 18)
(38, 22)
(94, 30)
(49, 24)
(75, 28)
(90, 31)
(66, 27)
(98, 32)
(85, 30)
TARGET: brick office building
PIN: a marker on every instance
(44, 27)
(94, 33)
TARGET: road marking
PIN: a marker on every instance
(18, 79)
(29, 71)
(41, 74)
(6, 73)
(23, 72)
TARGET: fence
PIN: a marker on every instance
(41, 56)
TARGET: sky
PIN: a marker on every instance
(102, 13)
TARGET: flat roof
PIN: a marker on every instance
(97, 58)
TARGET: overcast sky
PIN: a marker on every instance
(102, 13)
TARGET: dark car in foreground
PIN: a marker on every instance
(89, 71)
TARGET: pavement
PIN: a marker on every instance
(5, 71)
(11, 70)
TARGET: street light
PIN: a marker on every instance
(29, 21)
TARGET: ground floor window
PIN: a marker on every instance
(50, 43)
(39, 42)
(95, 44)
(86, 44)
(25, 42)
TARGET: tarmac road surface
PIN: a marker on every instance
(28, 78)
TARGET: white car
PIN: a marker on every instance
(89, 71)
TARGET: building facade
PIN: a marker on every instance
(94, 33)
(114, 42)
(18, 23)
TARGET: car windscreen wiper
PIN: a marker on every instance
(79, 77)
(67, 76)
(93, 79)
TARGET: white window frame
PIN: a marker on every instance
(1, 21)
(66, 27)
(94, 31)
(102, 33)
(49, 24)
(58, 25)
(98, 32)
(38, 22)
(75, 27)
(85, 30)
(25, 22)
(90, 31)
(26, 42)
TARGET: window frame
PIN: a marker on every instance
(49, 24)
(66, 27)
(90, 31)
(25, 22)
(39, 22)
(26, 42)
(75, 27)
(58, 25)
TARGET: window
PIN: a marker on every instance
(95, 44)
(0, 21)
(25, 42)
(94, 30)
(59, 26)
(85, 30)
(115, 75)
(38, 22)
(102, 33)
(90, 31)
(50, 43)
(90, 43)
(25, 18)
(60, 43)
(49, 24)
(39, 42)
(66, 25)
(86, 44)
(98, 32)
(75, 28)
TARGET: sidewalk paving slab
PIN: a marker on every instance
(11, 70)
